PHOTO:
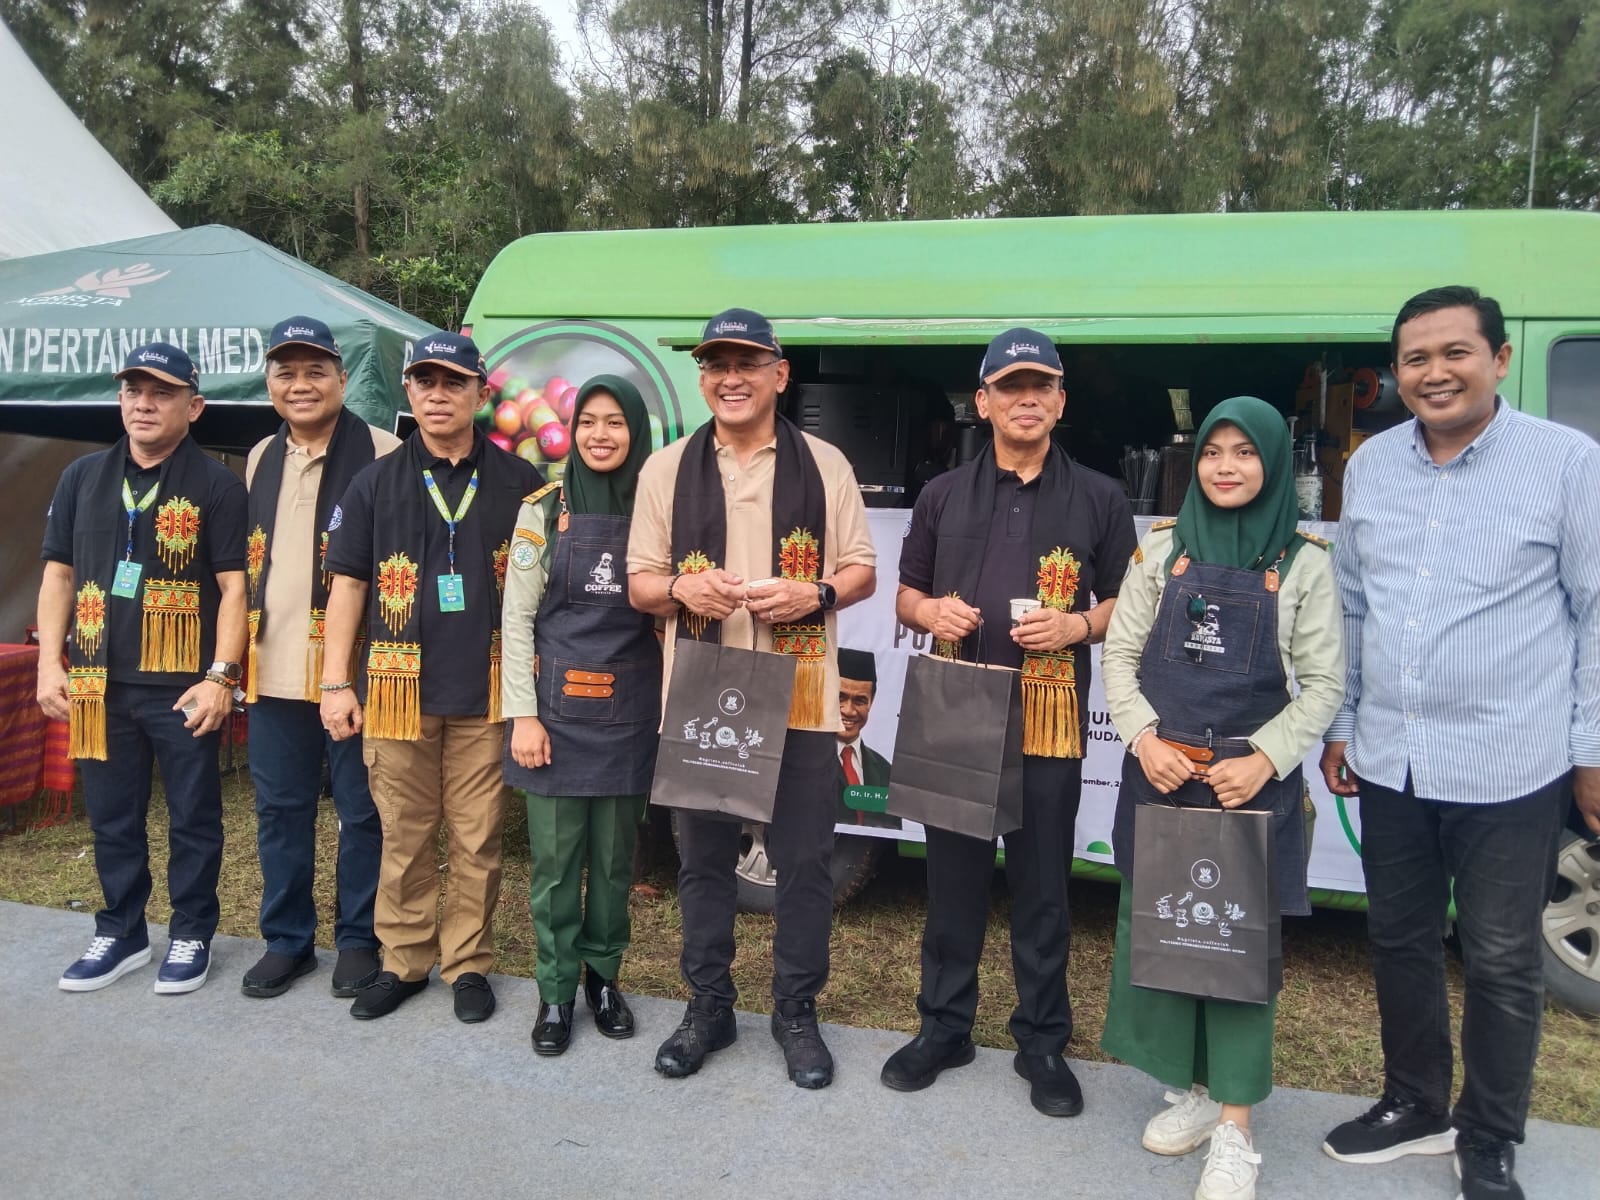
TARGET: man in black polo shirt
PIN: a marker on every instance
(144, 560)
(1020, 521)
(418, 545)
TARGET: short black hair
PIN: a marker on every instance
(1491, 321)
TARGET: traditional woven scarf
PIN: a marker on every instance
(799, 538)
(1051, 717)
(349, 449)
(166, 539)
(404, 522)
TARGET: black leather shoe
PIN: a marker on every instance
(273, 973)
(1055, 1091)
(612, 1016)
(552, 1033)
(474, 998)
(354, 970)
(385, 994)
(805, 1054)
(917, 1064)
(707, 1027)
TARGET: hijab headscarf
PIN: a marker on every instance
(1250, 537)
(608, 493)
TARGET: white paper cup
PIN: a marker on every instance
(1021, 608)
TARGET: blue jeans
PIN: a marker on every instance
(1502, 860)
(287, 743)
(143, 729)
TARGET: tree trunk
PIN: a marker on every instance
(361, 104)
(747, 52)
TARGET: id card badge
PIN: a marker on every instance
(452, 596)
(126, 584)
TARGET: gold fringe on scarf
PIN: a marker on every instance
(947, 649)
(1050, 726)
(250, 696)
(494, 678)
(394, 691)
(808, 646)
(170, 636)
(86, 707)
(316, 640)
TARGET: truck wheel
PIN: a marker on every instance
(855, 861)
(1572, 927)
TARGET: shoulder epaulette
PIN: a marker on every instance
(1314, 539)
(1169, 523)
(535, 497)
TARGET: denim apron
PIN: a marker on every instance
(1212, 672)
(597, 669)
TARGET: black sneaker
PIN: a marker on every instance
(1053, 1088)
(274, 972)
(474, 998)
(1485, 1166)
(917, 1064)
(707, 1027)
(354, 970)
(794, 1027)
(1392, 1128)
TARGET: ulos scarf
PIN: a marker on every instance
(1052, 724)
(349, 449)
(404, 519)
(166, 541)
(799, 540)
(1253, 536)
(608, 493)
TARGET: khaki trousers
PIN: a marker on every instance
(450, 774)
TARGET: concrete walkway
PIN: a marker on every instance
(123, 1093)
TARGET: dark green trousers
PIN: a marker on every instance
(1184, 1040)
(573, 926)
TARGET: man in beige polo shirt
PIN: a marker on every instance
(750, 531)
(296, 478)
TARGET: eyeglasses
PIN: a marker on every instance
(1195, 610)
(745, 366)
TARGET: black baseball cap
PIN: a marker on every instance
(1019, 349)
(453, 351)
(738, 327)
(303, 331)
(164, 361)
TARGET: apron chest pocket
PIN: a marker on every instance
(1218, 634)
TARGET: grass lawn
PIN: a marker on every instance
(1327, 1016)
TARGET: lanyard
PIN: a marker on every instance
(444, 510)
(134, 510)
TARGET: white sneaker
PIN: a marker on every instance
(1231, 1166)
(1184, 1126)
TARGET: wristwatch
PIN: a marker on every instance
(227, 672)
(827, 597)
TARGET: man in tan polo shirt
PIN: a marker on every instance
(751, 531)
(296, 478)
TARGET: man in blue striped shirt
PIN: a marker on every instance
(1468, 562)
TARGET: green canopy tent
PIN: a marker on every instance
(68, 319)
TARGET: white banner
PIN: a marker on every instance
(871, 625)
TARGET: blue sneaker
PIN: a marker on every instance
(106, 960)
(185, 967)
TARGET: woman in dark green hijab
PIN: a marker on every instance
(581, 687)
(1220, 610)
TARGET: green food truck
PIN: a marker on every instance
(1157, 318)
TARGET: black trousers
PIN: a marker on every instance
(1502, 859)
(800, 843)
(1038, 863)
(143, 730)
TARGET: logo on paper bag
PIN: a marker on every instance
(718, 742)
(1204, 874)
(1187, 911)
(731, 702)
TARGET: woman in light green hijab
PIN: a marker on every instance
(1223, 665)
